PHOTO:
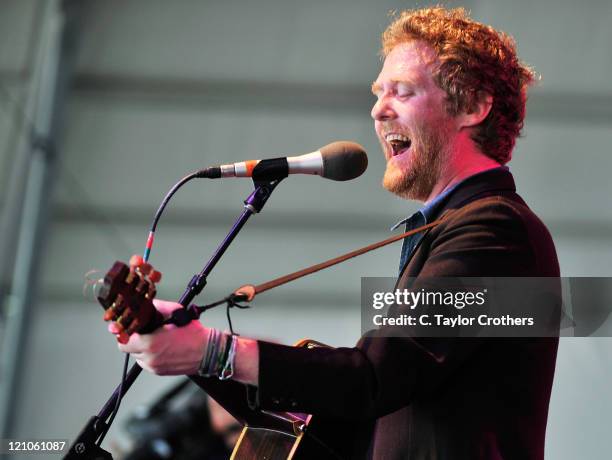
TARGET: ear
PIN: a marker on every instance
(478, 112)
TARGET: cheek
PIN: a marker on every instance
(379, 136)
(435, 110)
(409, 114)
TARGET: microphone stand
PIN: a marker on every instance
(84, 447)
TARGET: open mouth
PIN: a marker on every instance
(399, 143)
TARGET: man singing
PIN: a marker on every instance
(450, 104)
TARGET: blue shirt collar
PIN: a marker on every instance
(430, 210)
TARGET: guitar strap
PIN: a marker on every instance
(248, 291)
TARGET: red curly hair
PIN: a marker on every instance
(473, 60)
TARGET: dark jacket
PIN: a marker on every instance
(439, 398)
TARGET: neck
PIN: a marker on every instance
(461, 164)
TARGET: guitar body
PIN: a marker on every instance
(288, 436)
(280, 435)
(270, 444)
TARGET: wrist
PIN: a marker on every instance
(246, 366)
(226, 356)
(218, 355)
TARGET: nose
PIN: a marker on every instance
(382, 110)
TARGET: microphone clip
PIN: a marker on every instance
(263, 189)
(271, 169)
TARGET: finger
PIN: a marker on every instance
(136, 344)
(136, 260)
(113, 328)
(166, 307)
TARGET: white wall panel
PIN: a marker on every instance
(130, 155)
(265, 40)
(580, 406)
(16, 19)
(567, 42)
(142, 115)
(563, 171)
(259, 254)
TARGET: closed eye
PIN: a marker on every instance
(404, 90)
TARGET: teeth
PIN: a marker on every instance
(397, 143)
(396, 137)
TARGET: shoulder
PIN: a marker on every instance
(499, 229)
(507, 211)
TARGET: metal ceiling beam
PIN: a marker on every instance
(56, 64)
(554, 106)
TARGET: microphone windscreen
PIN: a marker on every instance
(343, 160)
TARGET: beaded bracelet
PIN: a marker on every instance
(227, 372)
(208, 364)
(210, 343)
(220, 355)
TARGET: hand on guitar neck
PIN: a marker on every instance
(172, 350)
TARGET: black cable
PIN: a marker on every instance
(156, 218)
(171, 192)
(162, 206)
(117, 403)
(231, 303)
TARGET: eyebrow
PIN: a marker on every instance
(410, 81)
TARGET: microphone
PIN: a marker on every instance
(339, 161)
